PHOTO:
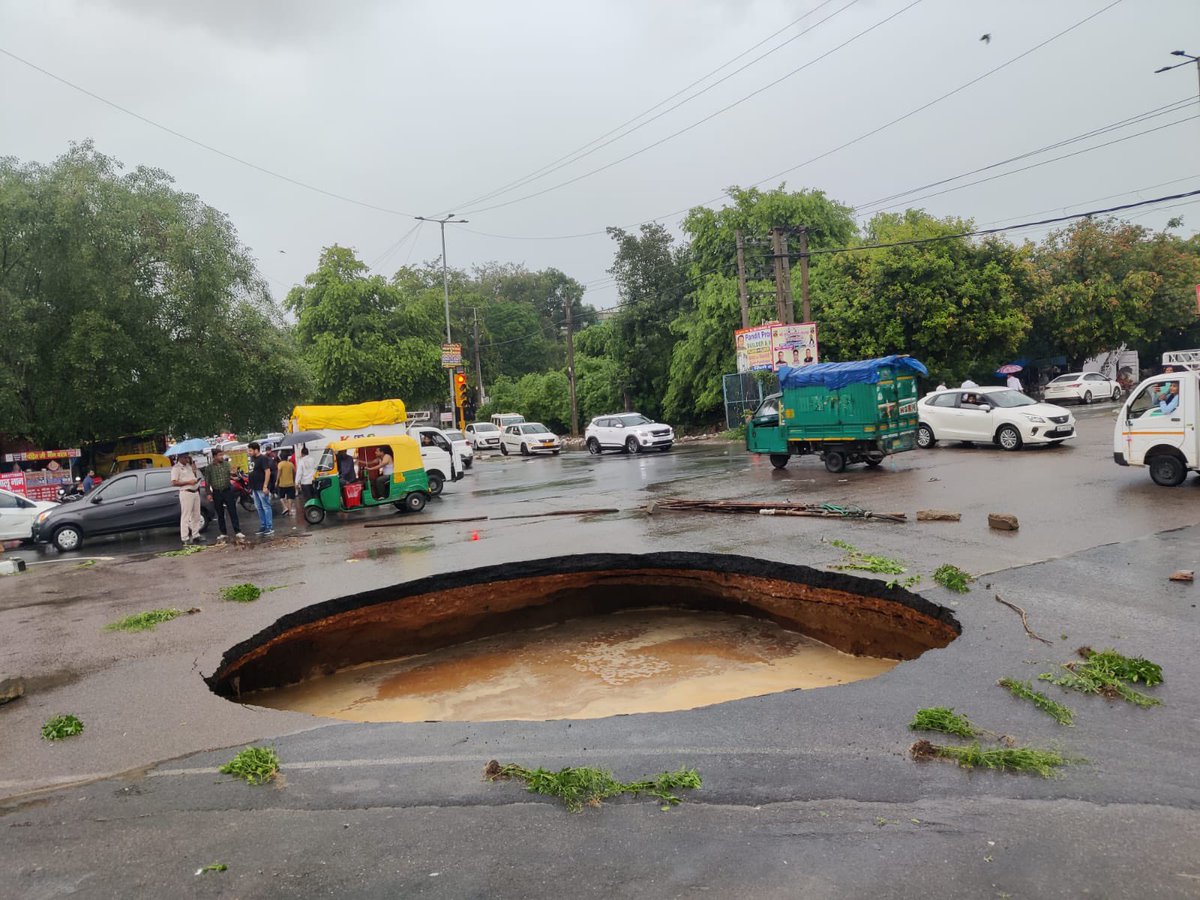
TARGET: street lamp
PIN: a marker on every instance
(443, 222)
(1188, 60)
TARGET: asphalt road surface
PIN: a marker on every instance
(806, 793)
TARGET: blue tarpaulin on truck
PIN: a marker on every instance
(838, 375)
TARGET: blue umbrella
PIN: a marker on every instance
(192, 445)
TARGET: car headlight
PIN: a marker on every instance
(43, 516)
(1037, 419)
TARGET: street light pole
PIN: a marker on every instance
(442, 222)
(1189, 61)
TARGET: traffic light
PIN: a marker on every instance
(460, 390)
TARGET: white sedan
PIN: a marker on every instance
(1083, 387)
(991, 414)
(529, 437)
(17, 514)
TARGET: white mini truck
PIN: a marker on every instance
(1158, 432)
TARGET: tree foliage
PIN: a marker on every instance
(130, 306)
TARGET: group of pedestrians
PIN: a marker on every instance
(269, 475)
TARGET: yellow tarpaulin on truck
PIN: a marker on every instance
(359, 415)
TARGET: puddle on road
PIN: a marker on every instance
(644, 660)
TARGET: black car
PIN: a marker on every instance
(131, 501)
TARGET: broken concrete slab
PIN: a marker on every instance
(938, 515)
(11, 688)
(1003, 522)
(12, 566)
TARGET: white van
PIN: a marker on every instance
(503, 420)
(1156, 427)
(437, 453)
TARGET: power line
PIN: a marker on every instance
(202, 144)
(600, 142)
(696, 124)
(1095, 132)
(1044, 162)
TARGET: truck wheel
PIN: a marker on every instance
(835, 461)
(415, 502)
(435, 484)
(874, 463)
(1008, 438)
(314, 515)
(1166, 471)
(632, 445)
(593, 446)
(779, 460)
(925, 438)
(68, 538)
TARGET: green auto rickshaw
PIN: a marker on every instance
(406, 486)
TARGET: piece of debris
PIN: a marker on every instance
(11, 688)
(1186, 575)
(12, 566)
(938, 515)
(62, 726)
(1003, 522)
(809, 510)
(1007, 759)
(1024, 620)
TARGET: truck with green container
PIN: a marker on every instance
(847, 413)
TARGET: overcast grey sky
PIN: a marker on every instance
(422, 107)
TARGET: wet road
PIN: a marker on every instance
(795, 783)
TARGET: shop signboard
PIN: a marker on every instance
(753, 347)
(13, 481)
(42, 483)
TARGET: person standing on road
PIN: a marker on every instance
(306, 473)
(89, 481)
(1014, 383)
(285, 484)
(185, 477)
(219, 479)
(261, 481)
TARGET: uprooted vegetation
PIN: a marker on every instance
(945, 720)
(63, 726)
(952, 578)
(182, 551)
(577, 785)
(1007, 759)
(241, 593)
(1024, 690)
(1109, 674)
(254, 765)
(144, 621)
(857, 560)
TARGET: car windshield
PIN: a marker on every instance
(1008, 399)
(1063, 379)
(629, 421)
(455, 435)
(485, 426)
(534, 428)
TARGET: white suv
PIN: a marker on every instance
(631, 432)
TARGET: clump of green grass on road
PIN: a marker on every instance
(1007, 759)
(254, 765)
(945, 720)
(1023, 690)
(144, 621)
(241, 593)
(59, 727)
(577, 785)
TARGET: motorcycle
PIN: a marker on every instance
(70, 493)
(241, 490)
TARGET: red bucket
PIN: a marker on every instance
(352, 495)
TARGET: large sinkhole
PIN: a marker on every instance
(581, 637)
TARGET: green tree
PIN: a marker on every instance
(1106, 283)
(363, 341)
(954, 304)
(130, 306)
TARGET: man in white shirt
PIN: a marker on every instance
(306, 471)
(1014, 383)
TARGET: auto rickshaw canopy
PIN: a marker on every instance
(406, 452)
(358, 415)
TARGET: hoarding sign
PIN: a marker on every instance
(13, 481)
(39, 455)
(794, 345)
(451, 356)
(753, 349)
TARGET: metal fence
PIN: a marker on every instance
(743, 392)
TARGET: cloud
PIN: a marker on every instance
(262, 22)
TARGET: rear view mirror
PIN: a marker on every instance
(97, 498)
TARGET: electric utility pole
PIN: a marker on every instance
(571, 370)
(478, 365)
(448, 219)
(804, 308)
(783, 276)
(743, 293)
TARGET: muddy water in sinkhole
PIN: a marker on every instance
(644, 660)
